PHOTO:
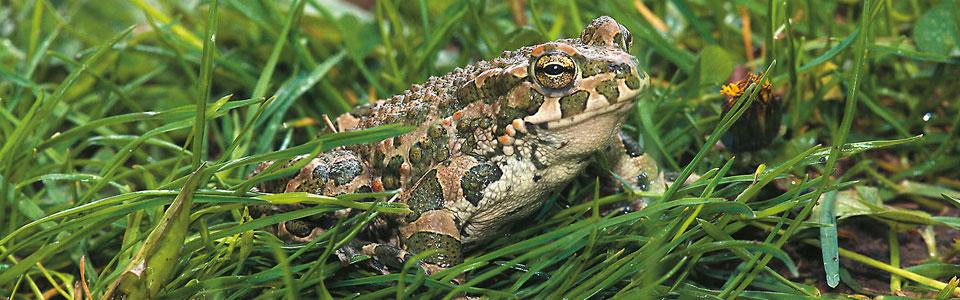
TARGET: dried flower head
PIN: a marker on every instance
(736, 89)
(760, 124)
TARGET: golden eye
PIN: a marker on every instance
(555, 71)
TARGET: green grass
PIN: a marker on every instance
(107, 167)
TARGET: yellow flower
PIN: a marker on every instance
(731, 90)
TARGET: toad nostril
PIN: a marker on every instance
(618, 68)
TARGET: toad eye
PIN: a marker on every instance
(555, 71)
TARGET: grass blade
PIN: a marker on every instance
(828, 238)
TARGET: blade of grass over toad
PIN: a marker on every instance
(850, 107)
(203, 85)
(329, 141)
(320, 267)
(278, 170)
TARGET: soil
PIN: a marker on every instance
(868, 236)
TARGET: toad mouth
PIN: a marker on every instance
(621, 106)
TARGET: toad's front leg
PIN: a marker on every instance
(626, 159)
(431, 226)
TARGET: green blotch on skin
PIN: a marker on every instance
(468, 93)
(536, 100)
(389, 255)
(518, 98)
(378, 158)
(503, 83)
(469, 144)
(441, 154)
(345, 171)
(426, 195)
(448, 248)
(506, 115)
(477, 179)
(436, 131)
(391, 176)
(494, 87)
(416, 115)
(390, 182)
(362, 111)
(573, 104)
(591, 68)
(609, 89)
(415, 155)
(298, 228)
(633, 82)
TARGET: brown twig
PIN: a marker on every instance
(745, 23)
(654, 21)
(326, 120)
(83, 278)
(516, 9)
